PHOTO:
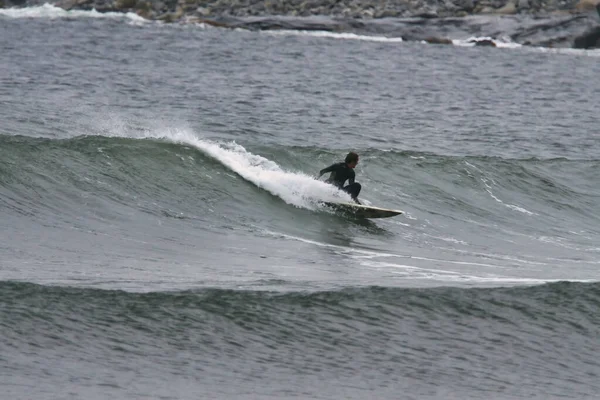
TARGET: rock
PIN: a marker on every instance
(466, 5)
(427, 15)
(586, 5)
(449, 7)
(166, 18)
(509, 8)
(72, 4)
(589, 40)
(437, 40)
(387, 14)
(214, 23)
(486, 43)
(145, 10)
(179, 12)
(101, 7)
(143, 6)
(146, 14)
(367, 13)
(160, 7)
(204, 11)
(523, 4)
(485, 10)
(483, 43)
(125, 4)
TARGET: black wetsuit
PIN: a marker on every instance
(340, 173)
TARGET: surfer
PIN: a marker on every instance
(342, 172)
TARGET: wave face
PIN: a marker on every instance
(173, 199)
(436, 342)
(162, 233)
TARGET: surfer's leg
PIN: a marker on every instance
(353, 190)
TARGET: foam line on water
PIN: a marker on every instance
(569, 51)
(500, 43)
(334, 35)
(411, 272)
(51, 12)
(506, 43)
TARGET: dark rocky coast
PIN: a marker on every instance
(548, 23)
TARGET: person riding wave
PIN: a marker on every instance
(342, 172)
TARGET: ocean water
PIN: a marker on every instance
(162, 234)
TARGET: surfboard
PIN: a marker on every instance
(363, 211)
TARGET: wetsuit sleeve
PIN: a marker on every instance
(328, 169)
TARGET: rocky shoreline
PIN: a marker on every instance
(173, 10)
(429, 19)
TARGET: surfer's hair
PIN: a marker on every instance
(351, 157)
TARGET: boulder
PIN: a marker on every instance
(144, 10)
(387, 14)
(167, 18)
(67, 4)
(427, 15)
(367, 13)
(589, 40)
(484, 10)
(466, 5)
(449, 6)
(437, 40)
(586, 5)
(509, 8)
(146, 14)
(203, 11)
(483, 43)
(214, 23)
(125, 4)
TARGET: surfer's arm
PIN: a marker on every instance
(326, 170)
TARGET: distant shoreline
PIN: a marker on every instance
(430, 20)
(173, 10)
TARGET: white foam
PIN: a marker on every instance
(354, 252)
(295, 188)
(505, 43)
(371, 259)
(447, 239)
(569, 51)
(52, 12)
(334, 35)
(361, 254)
(511, 206)
(418, 273)
(508, 44)
(472, 166)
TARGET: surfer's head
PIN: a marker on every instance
(351, 159)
